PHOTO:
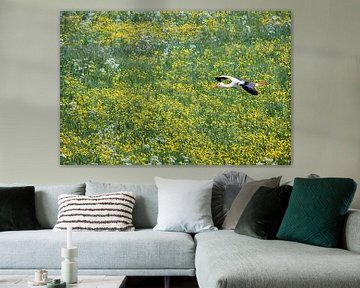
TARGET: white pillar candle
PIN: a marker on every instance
(69, 237)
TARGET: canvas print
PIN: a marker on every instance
(175, 87)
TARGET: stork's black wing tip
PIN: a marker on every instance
(217, 78)
(250, 90)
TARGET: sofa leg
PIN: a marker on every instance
(167, 282)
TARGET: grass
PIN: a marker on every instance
(136, 88)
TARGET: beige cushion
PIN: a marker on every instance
(243, 198)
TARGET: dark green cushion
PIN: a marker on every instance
(17, 208)
(316, 211)
(263, 214)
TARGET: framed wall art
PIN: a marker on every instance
(175, 87)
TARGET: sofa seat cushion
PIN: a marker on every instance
(142, 249)
(226, 259)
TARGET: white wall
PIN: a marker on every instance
(326, 91)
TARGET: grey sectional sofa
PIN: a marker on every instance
(219, 259)
(226, 259)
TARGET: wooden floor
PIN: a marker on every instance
(158, 282)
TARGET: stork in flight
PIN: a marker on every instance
(237, 83)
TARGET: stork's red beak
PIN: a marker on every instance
(215, 86)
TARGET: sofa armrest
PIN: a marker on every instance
(351, 234)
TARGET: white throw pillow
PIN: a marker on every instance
(184, 205)
(105, 212)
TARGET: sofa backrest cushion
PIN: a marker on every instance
(146, 204)
(350, 238)
(46, 200)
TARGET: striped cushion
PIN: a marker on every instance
(105, 212)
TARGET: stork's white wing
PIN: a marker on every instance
(226, 77)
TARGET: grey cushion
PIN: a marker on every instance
(243, 198)
(46, 200)
(225, 259)
(184, 205)
(146, 204)
(143, 249)
(225, 189)
(311, 176)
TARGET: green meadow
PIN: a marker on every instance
(136, 88)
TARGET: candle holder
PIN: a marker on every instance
(69, 271)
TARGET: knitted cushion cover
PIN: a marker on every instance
(316, 211)
(105, 212)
